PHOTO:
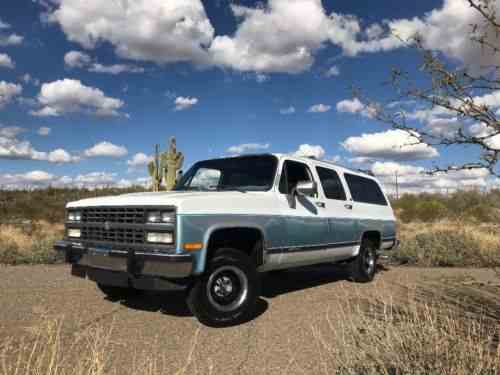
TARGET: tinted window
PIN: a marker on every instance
(365, 190)
(293, 172)
(331, 183)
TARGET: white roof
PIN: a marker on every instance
(324, 162)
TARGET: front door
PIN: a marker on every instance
(306, 223)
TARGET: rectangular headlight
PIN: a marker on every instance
(77, 233)
(160, 237)
(74, 215)
(160, 217)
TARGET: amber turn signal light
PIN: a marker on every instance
(193, 246)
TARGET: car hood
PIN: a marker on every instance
(185, 201)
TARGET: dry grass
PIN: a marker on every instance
(415, 334)
(412, 336)
(30, 243)
(449, 244)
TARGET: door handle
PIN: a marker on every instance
(320, 204)
(348, 206)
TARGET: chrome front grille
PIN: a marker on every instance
(117, 235)
(125, 215)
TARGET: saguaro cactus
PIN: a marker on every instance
(155, 170)
(172, 161)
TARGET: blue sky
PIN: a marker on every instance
(246, 76)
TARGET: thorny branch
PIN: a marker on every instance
(448, 93)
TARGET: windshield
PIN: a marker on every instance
(246, 173)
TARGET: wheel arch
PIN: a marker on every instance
(373, 235)
(235, 236)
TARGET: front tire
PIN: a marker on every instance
(362, 269)
(227, 292)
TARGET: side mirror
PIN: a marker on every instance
(306, 188)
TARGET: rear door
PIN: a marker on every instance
(370, 206)
(343, 234)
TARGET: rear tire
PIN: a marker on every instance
(116, 292)
(362, 269)
(227, 292)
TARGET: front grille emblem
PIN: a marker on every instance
(107, 225)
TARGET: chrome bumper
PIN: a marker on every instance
(134, 263)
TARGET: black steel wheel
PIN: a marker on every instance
(227, 293)
(362, 269)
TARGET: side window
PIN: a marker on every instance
(292, 173)
(365, 190)
(332, 186)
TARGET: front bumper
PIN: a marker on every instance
(131, 266)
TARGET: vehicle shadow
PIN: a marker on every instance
(174, 303)
(273, 284)
(291, 280)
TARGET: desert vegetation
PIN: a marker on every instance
(47, 204)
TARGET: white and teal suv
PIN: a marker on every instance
(226, 221)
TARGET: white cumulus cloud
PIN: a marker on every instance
(10, 40)
(414, 179)
(139, 160)
(182, 103)
(69, 96)
(332, 71)
(43, 131)
(106, 149)
(307, 150)
(8, 91)
(13, 148)
(319, 108)
(356, 107)
(6, 61)
(162, 31)
(77, 59)
(287, 111)
(391, 144)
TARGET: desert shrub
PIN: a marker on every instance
(447, 248)
(47, 204)
(31, 244)
(431, 210)
(461, 205)
(482, 213)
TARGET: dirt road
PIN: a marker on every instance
(280, 339)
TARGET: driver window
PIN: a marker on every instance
(292, 173)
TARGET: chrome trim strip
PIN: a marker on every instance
(293, 249)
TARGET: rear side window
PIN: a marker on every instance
(365, 190)
(332, 186)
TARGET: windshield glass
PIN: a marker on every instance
(246, 173)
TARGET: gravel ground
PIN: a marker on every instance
(280, 339)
